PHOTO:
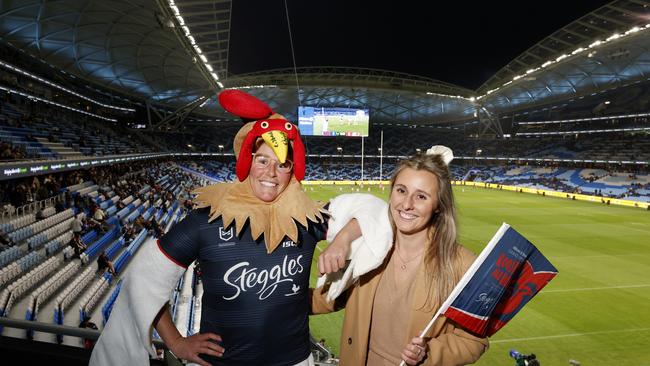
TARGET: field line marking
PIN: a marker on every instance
(595, 288)
(570, 257)
(570, 335)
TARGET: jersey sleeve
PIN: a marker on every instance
(182, 242)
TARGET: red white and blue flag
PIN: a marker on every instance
(504, 277)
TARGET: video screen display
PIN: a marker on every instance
(320, 121)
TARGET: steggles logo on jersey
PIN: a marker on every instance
(243, 278)
(294, 290)
(226, 235)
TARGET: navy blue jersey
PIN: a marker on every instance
(257, 302)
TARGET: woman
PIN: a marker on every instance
(254, 240)
(387, 308)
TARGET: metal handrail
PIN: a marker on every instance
(58, 329)
(31, 207)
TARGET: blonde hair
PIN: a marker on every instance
(442, 250)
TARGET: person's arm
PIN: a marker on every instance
(111, 268)
(456, 347)
(334, 256)
(186, 348)
(320, 304)
(353, 216)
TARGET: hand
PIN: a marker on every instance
(333, 257)
(415, 351)
(189, 348)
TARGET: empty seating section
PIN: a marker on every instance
(95, 248)
(8, 273)
(26, 282)
(90, 299)
(18, 223)
(124, 258)
(44, 291)
(44, 137)
(26, 139)
(627, 185)
(35, 228)
(11, 254)
(71, 293)
(108, 306)
(38, 240)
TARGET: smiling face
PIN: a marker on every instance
(267, 182)
(414, 200)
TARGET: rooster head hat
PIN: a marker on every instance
(277, 132)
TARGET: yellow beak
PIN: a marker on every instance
(278, 141)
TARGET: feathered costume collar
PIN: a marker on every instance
(277, 219)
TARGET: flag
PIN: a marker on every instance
(504, 277)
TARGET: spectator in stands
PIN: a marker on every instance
(5, 151)
(129, 234)
(86, 323)
(5, 240)
(158, 230)
(98, 227)
(59, 206)
(99, 214)
(77, 244)
(40, 215)
(139, 223)
(103, 263)
(270, 198)
(423, 267)
(77, 224)
(188, 204)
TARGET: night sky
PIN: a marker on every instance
(459, 42)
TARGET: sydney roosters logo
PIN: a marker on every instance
(244, 278)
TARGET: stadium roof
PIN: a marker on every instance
(131, 46)
(607, 48)
(174, 52)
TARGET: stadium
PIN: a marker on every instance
(109, 120)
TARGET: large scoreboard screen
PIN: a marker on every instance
(321, 121)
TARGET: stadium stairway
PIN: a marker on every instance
(59, 149)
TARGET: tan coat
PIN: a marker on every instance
(448, 344)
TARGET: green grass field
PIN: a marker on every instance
(596, 311)
(340, 125)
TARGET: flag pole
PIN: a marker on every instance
(381, 154)
(362, 161)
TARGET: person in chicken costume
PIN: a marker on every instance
(254, 240)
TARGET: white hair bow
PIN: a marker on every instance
(445, 152)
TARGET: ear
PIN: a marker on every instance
(244, 105)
